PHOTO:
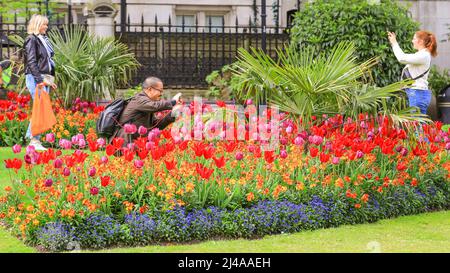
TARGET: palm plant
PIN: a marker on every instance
(305, 83)
(86, 66)
(89, 67)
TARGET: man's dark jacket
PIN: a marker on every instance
(140, 111)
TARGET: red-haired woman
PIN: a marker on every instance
(417, 66)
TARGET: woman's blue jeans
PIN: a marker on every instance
(31, 85)
(419, 98)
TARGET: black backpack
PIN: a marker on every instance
(108, 121)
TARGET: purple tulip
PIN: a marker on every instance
(94, 190)
(48, 183)
(50, 138)
(92, 171)
(404, 152)
(17, 148)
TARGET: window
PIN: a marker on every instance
(216, 23)
(189, 23)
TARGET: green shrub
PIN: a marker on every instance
(325, 23)
(438, 80)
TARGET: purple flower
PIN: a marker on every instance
(92, 171)
(48, 183)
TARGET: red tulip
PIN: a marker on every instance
(170, 165)
(208, 153)
(324, 157)
(105, 180)
(220, 162)
(313, 151)
(110, 150)
(118, 142)
(269, 156)
(203, 171)
(401, 166)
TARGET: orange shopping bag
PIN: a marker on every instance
(42, 116)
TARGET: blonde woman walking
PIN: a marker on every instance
(39, 65)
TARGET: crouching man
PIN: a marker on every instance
(141, 110)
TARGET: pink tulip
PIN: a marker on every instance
(149, 145)
(289, 129)
(359, 154)
(75, 140)
(58, 163)
(81, 143)
(101, 142)
(150, 136)
(249, 101)
(129, 128)
(447, 146)
(404, 152)
(30, 149)
(298, 141)
(239, 156)
(283, 154)
(138, 163)
(50, 138)
(142, 130)
(104, 159)
(283, 141)
(131, 146)
(335, 160)
(66, 171)
(65, 144)
(17, 148)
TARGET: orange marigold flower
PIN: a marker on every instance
(339, 183)
(365, 198)
(300, 186)
(250, 196)
(357, 206)
(8, 188)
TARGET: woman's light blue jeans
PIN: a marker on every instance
(31, 85)
(419, 98)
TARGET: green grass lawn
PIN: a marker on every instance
(429, 232)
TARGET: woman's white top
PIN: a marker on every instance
(416, 63)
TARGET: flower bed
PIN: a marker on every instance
(169, 189)
(15, 112)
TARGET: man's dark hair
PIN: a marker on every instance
(150, 82)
